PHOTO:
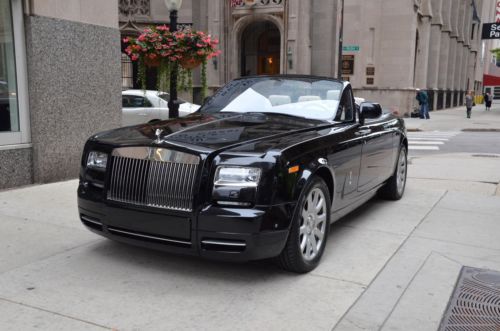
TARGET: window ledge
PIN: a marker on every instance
(16, 146)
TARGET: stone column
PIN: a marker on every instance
(423, 52)
(292, 32)
(452, 64)
(304, 39)
(215, 26)
(435, 46)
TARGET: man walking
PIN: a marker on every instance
(423, 101)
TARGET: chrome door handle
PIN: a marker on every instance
(363, 132)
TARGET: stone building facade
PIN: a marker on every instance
(59, 83)
(256, 36)
(391, 47)
(428, 44)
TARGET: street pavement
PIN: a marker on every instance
(387, 266)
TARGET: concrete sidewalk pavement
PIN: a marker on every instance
(387, 266)
(455, 119)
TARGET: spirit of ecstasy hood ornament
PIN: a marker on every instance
(158, 133)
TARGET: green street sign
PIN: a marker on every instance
(350, 48)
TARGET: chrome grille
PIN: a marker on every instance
(153, 177)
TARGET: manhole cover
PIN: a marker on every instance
(475, 303)
(485, 155)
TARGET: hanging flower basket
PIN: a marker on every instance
(160, 48)
(152, 63)
(190, 63)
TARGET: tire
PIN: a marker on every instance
(394, 188)
(309, 229)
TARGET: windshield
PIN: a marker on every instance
(301, 97)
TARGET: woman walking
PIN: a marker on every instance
(487, 101)
(468, 103)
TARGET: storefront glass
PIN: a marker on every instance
(9, 115)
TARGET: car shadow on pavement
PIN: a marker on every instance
(184, 265)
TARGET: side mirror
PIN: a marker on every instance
(369, 110)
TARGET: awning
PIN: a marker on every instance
(489, 80)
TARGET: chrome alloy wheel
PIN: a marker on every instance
(401, 171)
(313, 224)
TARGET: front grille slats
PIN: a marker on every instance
(164, 184)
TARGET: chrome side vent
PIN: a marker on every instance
(148, 237)
(222, 245)
(153, 177)
(91, 222)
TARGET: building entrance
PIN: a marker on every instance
(260, 53)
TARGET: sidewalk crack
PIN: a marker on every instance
(56, 313)
(389, 260)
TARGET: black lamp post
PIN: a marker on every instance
(173, 106)
(341, 40)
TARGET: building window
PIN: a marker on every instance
(9, 114)
(127, 72)
(14, 115)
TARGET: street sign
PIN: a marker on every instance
(347, 65)
(350, 48)
(491, 31)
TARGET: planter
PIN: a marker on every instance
(152, 63)
(189, 63)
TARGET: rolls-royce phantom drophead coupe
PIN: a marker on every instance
(260, 171)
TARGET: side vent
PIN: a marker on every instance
(91, 222)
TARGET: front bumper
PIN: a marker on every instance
(231, 234)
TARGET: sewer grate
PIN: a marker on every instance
(475, 303)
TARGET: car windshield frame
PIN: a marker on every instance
(308, 97)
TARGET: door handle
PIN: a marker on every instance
(363, 132)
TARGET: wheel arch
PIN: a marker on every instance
(323, 172)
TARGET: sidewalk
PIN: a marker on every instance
(455, 119)
(387, 266)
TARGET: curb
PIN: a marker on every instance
(463, 130)
(480, 130)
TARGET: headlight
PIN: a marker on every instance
(237, 176)
(97, 160)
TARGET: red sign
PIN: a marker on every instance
(497, 16)
(236, 3)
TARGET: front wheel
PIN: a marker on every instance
(395, 186)
(309, 230)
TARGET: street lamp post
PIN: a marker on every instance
(341, 41)
(173, 106)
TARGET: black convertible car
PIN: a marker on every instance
(260, 171)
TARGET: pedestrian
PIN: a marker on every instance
(487, 100)
(469, 103)
(423, 101)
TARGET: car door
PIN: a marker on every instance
(344, 152)
(137, 110)
(377, 157)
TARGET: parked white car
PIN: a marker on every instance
(140, 106)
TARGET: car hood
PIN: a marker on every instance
(212, 131)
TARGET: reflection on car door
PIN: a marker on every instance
(345, 153)
(377, 159)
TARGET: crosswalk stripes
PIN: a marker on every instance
(429, 140)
